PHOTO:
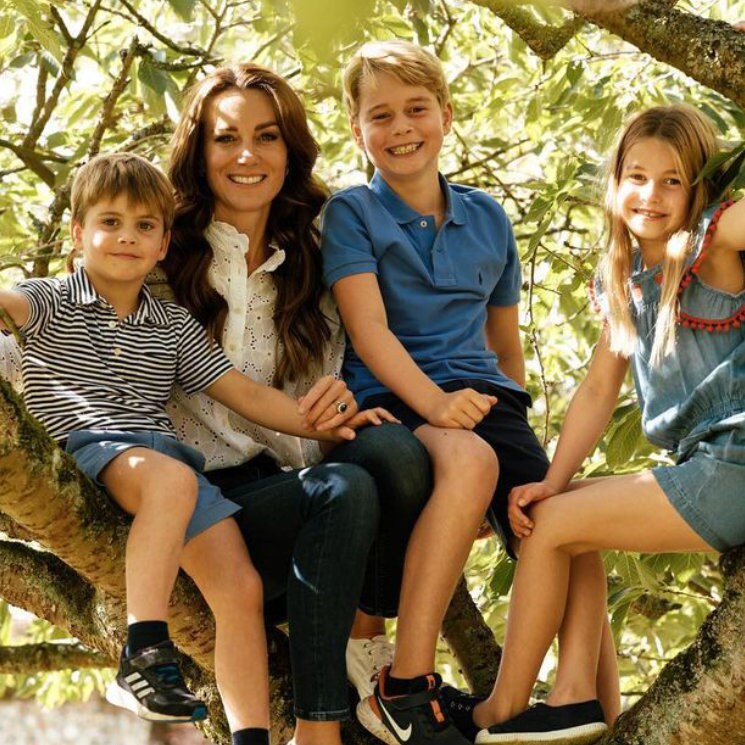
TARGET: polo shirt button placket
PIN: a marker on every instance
(423, 223)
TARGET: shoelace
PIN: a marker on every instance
(381, 655)
(169, 674)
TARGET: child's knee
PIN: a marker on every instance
(176, 486)
(240, 593)
(470, 459)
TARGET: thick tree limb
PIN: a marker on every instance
(471, 641)
(40, 583)
(27, 659)
(711, 52)
(700, 696)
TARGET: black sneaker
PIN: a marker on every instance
(572, 724)
(415, 718)
(150, 684)
(459, 705)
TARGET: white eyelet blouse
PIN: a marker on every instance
(250, 341)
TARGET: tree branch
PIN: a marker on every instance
(106, 117)
(703, 687)
(471, 641)
(39, 123)
(543, 39)
(27, 659)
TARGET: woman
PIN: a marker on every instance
(244, 259)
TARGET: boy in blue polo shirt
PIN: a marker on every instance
(100, 358)
(427, 279)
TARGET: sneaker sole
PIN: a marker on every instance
(583, 735)
(117, 696)
(370, 721)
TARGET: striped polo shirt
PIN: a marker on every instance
(84, 368)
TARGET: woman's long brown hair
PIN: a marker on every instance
(302, 328)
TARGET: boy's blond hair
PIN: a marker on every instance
(408, 62)
(109, 176)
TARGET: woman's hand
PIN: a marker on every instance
(329, 402)
(522, 497)
(347, 431)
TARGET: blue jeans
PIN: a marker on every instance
(327, 539)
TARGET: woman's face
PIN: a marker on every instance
(245, 156)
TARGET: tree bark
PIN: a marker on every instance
(711, 52)
(700, 696)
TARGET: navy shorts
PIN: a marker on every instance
(94, 449)
(521, 457)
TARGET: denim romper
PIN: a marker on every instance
(693, 403)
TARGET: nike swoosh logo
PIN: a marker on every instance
(403, 734)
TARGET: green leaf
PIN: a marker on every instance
(625, 439)
(153, 85)
(39, 28)
(184, 8)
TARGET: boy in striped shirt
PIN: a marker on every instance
(99, 361)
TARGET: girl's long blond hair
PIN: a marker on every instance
(693, 140)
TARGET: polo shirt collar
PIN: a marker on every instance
(82, 292)
(402, 213)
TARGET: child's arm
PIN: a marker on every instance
(587, 417)
(274, 409)
(16, 306)
(363, 313)
(503, 338)
(730, 230)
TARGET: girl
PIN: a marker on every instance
(672, 287)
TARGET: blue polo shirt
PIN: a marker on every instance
(436, 284)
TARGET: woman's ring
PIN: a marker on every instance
(341, 406)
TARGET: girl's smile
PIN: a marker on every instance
(652, 196)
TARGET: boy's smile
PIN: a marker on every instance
(401, 128)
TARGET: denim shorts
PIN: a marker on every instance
(94, 449)
(506, 428)
(707, 488)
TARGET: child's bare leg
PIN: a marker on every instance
(581, 630)
(161, 493)
(629, 513)
(366, 626)
(317, 733)
(465, 475)
(218, 562)
(608, 680)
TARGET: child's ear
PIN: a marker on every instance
(354, 123)
(447, 117)
(76, 233)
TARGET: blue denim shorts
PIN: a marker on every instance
(94, 449)
(707, 488)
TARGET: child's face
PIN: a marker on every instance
(652, 199)
(401, 127)
(245, 155)
(120, 241)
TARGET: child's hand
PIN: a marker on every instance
(329, 402)
(522, 497)
(347, 431)
(461, 409)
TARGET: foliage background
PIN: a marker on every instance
(78, 77)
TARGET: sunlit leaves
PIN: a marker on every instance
(39, 27)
